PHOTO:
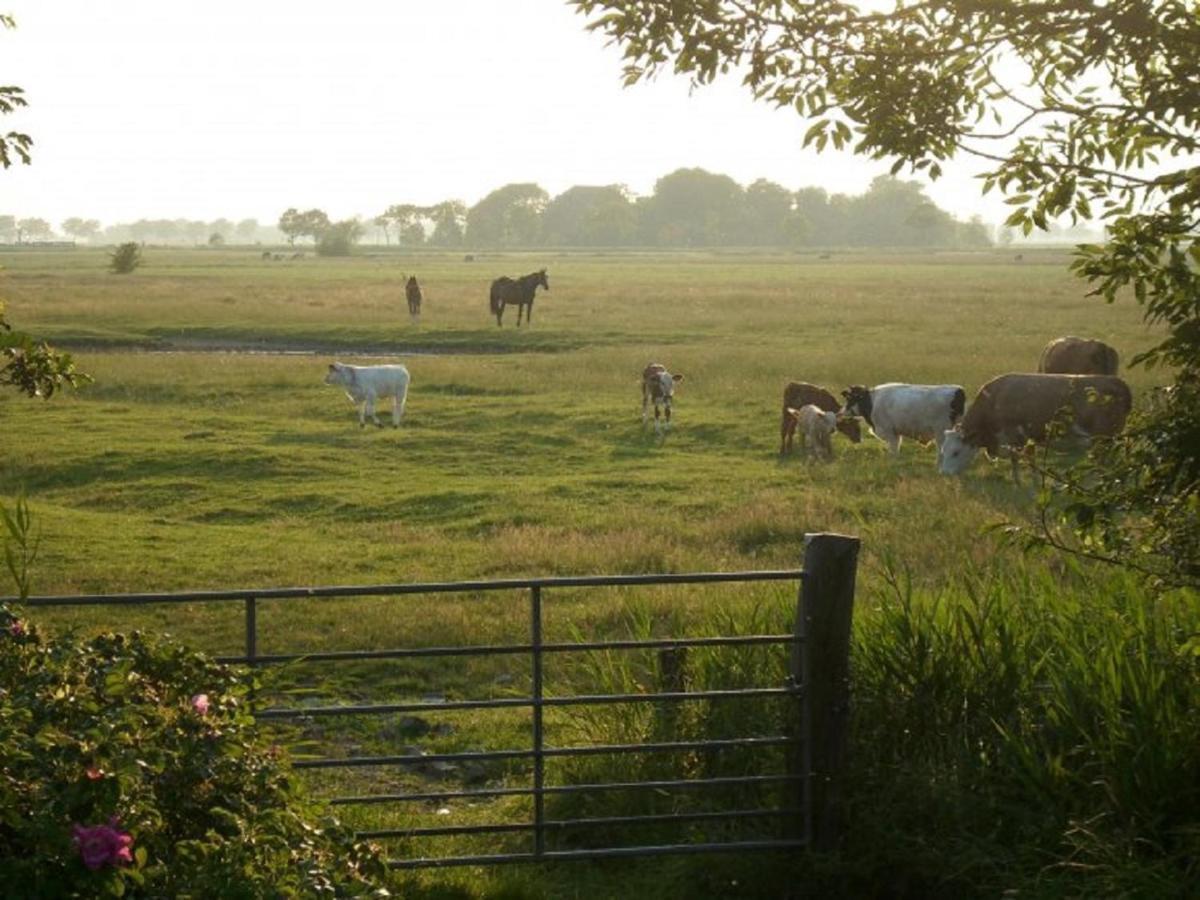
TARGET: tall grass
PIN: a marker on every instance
(1018, 730)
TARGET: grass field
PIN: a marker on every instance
(522, 451)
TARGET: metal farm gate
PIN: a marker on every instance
(814, 744)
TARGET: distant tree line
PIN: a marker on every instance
(688, 208)
(144, 231)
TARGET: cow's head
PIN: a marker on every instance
(339, 374)
(955, 454)
(857, 401)
(850, 427)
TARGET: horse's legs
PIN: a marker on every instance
(499, 315)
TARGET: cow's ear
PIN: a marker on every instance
(677, 377)
(333, 367)
(846, 393)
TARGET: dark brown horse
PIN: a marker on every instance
(505, 290)
(412, 291)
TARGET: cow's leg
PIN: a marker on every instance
(645, 407)
(893, 441)
(370, 408)
(667, 415)
(500, 315)
(529, 314)
(787, 428)
(397, 409)
(362, 415)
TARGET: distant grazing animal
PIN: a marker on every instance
(816, 430)
(658, 387)
(1078, 356)
(277, 256)
(299, 254)
(520, 291)
(412, 291)
(801, 393)
(364, 384)
(1012, 409)
(923, 412)
(266, 254)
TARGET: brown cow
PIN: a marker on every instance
(801, 393)
(1012, 409)
(1078, 356)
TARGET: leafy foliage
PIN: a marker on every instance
(34, 367)
(14, 145)
(125, 258)
(312, 223)
(157, 742)
(338, 239)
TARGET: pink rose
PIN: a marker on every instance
(94, 773)
(102, 845)
(200, 704)
(17, 628)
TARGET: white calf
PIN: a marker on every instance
(816, 430)
(896, 411)
(364, 383)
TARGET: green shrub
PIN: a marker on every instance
(131, 766)
(125, 258)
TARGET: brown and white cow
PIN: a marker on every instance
(801, 393)
(1078, 356)
(1012, 409)
(658, 387)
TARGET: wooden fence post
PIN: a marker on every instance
(821, 664)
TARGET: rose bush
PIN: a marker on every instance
(130, 766)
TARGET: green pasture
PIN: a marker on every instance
(206, 470)
(191, 464)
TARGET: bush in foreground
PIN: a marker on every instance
(130, 766)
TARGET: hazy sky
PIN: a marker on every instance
(161, 109)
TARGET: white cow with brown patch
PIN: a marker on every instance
(365, 384)
(1012, 409)
(658, 388)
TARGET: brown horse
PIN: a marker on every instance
(505, 290)
(412, 291)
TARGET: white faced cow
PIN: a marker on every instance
(894, 411)
(364, 384)
(1012, 409)
(658, 387)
